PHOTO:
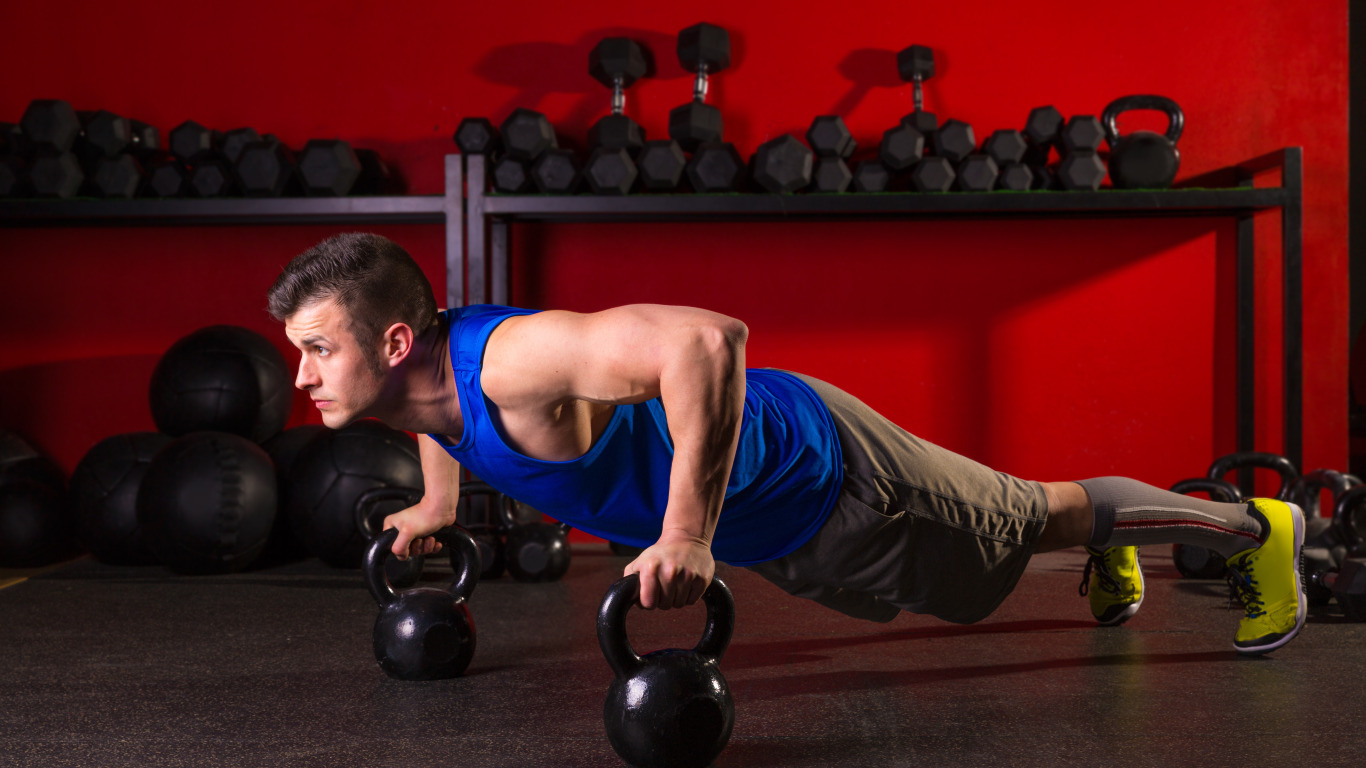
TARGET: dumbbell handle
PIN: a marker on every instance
(618, 95)
(699, 89)
(917, 95)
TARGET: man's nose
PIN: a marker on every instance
(307, 378)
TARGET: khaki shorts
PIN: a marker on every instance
(915, 527)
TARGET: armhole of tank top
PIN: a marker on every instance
(661, 420)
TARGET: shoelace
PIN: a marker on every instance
(1107, 582)
(1243, 588)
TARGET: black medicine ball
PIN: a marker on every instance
(330, 474)
(20, 461)
(222, 378)
(34, 527)
(104, 495)
(207, 503)
(284, 449)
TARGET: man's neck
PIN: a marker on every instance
(423, 397)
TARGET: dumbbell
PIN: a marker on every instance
(267, 168)
(1007, 148)
(1042, 132)
(211, 171)
(13, 176)
(526, 135)
(952, 144)
(329, 168)
(1346, 584)
(661, 164)
(783, 165)
(477, 136)
(50, 128)
(872, 176)
(916, 65)
(1081, 166)
(616, 62)
(166, 176)
(716, 166)
(833, 144)
(703, 49)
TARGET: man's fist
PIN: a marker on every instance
(674, 572)
(415, 526)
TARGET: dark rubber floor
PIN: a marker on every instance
(114, 667)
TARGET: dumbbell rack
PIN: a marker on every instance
(477, 231)
(1227, 192)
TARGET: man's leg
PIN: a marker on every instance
(1260, 539)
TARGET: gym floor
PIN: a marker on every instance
(111, 667)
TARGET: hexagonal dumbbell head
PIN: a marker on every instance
(830, 137)
(901, 148)
(695, 124)
(617, 58)
(1015, 177)
(1043, 126)
(1082, 132)
(925, 122)
(167, 177)
(716, 167)
(190, 139)
(510, 176)
(915, 62)
(329, 167)
(783, 165)
(832, 174)
(51, 123)
(1081, 169)
(954, 140)
(119, 176)
(872, 176)
(556, 171)
(477, 136)
(55, 174)
(933, 174)
(977, 173)
(1005, 147)
(108, 133)
(704, 45)
(13, 177)
(212, 177)
(527, 133)
(661, 164)
(616, 132)
(236, 140)
(265, 169)
(610, 171)
(145, 138)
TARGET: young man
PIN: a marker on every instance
(641, 424)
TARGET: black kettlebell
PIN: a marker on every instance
(535, 551)
(401, 573)
(1275, 462)
(669, 708)
(1197, 562)
(1143, 159)
(423, 633)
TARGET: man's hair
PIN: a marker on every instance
(371, 277)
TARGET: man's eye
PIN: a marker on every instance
(321, 352)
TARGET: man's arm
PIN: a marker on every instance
(441, 493)
(693, 360)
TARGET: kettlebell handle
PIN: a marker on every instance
(1342, 517)
(623, 659)
(453, 536)
(1219, 490)
(1280, 464)
(1176, 119)
(365, 522)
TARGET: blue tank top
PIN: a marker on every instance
(786, 475)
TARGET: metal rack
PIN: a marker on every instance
(1227, 192)
(478, 230)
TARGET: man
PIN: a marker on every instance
(641, 424)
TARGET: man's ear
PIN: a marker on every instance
(396, 344)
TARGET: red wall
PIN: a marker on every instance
(1051, 349)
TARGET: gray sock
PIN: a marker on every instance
(1130, 513)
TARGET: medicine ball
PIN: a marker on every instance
(34, 528)
(20, 461)
(284, 449)
(207, 503)
(330, 474)
(224, 379)
(104, 496)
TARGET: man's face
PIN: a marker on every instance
(334, 369)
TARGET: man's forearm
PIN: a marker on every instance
(440, 474)
(703, 392)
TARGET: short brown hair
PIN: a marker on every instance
(371, 277)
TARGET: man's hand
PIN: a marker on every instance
(674, 572)
(416, 525)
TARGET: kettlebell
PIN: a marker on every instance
(536, 551)
(487, 531)
(670, 708)
(1143, 159)
(1198, 562)
(423, 633)
(401, 573)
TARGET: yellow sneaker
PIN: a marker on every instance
(1267, 580)
(1113, 581)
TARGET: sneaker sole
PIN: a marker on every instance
(1302, 600)
(1128, 613)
